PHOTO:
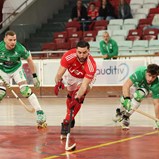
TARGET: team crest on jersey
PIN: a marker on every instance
(78, 72)
(2, 55)
(8, 58)
(16, 53)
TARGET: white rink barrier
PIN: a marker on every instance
(109, 72)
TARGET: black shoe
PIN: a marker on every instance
(64, 127)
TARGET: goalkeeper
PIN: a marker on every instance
(144, 80)
(11, 53)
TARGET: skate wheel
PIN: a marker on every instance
(125, 129)
(42, 126)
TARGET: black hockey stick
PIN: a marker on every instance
(31, 110)
(67, 147)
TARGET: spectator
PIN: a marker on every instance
(106, 11)
(92, 12)
(79, 12)
(108, 47)
(124, 10)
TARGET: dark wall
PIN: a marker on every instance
(34, 15)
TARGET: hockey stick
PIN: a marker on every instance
(31, 110)
(67, 147)
(147, 115)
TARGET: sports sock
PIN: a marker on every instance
(34, 102)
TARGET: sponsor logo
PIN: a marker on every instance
(77, 72)
(121, 70)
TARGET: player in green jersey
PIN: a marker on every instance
(11, 53)
(145, 81)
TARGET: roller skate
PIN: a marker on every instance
(118, 116)
(41, 120)
(65, 127)
(125, 122)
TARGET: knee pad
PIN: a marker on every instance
(25, 91)
(2, 92)
(140, 94)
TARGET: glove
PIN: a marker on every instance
(126, 102)
(58, 86)
(76, 101)
(36, 81)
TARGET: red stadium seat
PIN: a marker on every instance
(144, 22)
(150, 34)
(152, 12)
(74, 38)
(134, 34)
(63, 46)
(60, 37)
(71, 30)
(49, 46)
(73, 42)
(72, 26)
(78, 34)
(89, 35)
(62, 34)
(100, 25)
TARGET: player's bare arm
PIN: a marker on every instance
(31, 64)
(156, 106)
(60, 73)
(105, 56)
(126, 88)
(84, 87)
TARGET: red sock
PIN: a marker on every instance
(76, 109)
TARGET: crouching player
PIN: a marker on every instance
(81, 75)
(144, 80)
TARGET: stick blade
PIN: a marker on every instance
(71, 148)
(67, 147)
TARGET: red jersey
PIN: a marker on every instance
(75, 68)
